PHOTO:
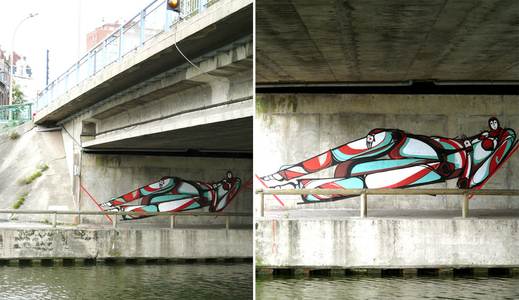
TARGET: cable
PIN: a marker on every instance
(73, 139)
(187, 59)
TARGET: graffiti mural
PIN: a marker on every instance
(173, 194)
(392, 158)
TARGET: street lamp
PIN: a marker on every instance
(11, 60)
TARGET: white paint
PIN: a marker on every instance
(416, 147)
(384, 179)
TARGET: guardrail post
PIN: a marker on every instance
(172, 221)
(465, 206)
(227, 223)
(363, 204)
(141, 24)
(121, 31)
(262, 204)
(55, 219)
(114, 222)
(168, 19)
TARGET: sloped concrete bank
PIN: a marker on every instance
(46, 243)
(387, 243)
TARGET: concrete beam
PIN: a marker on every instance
(137, 133)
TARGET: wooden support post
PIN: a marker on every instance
(465, 206)
(55, 219)
(171, 221)
(262, 204)
(363, 204)
(114, 223)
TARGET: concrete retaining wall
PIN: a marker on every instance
(394, 243)
(125, 243)
(107, 176)
(292, 127)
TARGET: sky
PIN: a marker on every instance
(61, 26)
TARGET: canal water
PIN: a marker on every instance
(184, 281)
(363, 287)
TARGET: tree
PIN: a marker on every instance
(18, 96)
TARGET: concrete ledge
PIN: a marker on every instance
(125, 243)
(387, 243)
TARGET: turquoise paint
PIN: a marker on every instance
(194, 205)
(170, 197)
(452, 159)
(382, 165)
(150, 208)
(431, 177)
(351, 183)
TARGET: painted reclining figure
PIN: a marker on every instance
(174, 194)
(392, 158)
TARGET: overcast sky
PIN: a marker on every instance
(57, 28)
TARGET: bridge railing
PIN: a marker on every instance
(16, 114)
(152, 20)
(363, 193)
(172, 215)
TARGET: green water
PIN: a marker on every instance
(363, 287)
(189, 281)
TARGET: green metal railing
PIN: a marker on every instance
(151, 21)
(15, 114)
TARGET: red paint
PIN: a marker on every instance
(95, 202)
(275, 196)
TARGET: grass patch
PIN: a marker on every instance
(31, 178)
(43, 167)
(39, 171)
(13, 135)
(20, 201)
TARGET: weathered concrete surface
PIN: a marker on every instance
(124, 243)
(163, 112)
(358, 40)
(20, 159)
(292, 127)
(387, 242)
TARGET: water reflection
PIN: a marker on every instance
(362, 287)
(190, 281)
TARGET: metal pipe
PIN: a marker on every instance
(432, 192)
(123, 213)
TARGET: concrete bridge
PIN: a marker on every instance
(330, 71)
(173, 99)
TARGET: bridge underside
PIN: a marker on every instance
(228, 138)
(370, 41)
